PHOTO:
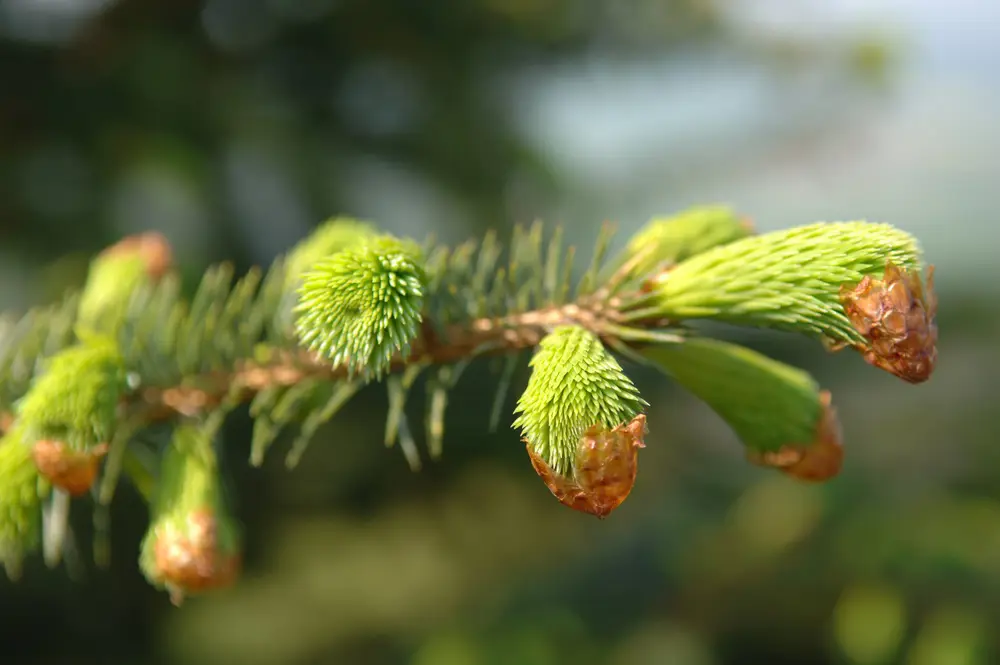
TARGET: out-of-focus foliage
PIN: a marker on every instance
(233, 125)
(188, 105)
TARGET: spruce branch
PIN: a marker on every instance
(81, 380)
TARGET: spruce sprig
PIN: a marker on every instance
(575, 384)
(363, 305)
(788, 280)
(350, 305)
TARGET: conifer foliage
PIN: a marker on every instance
(82, 379)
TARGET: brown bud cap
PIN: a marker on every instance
(66, 468)
(896, 317)
(604, 472)
(817, 461)
(152, 247)
(188, 556)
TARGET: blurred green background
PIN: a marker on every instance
(234, 126)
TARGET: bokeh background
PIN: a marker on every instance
(234, 126)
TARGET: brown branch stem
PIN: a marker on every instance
(483, 336)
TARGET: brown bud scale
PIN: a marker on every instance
(815, 462)
(896, 316)
(66, 468)
(604, 470)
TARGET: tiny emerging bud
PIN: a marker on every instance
(192, 544)
(327, 239)
(667, 241)
(114, 276)
(151, 248)
(188, 556)
(604, 471)
(817, 461)
(67, 468)
(895, 315)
